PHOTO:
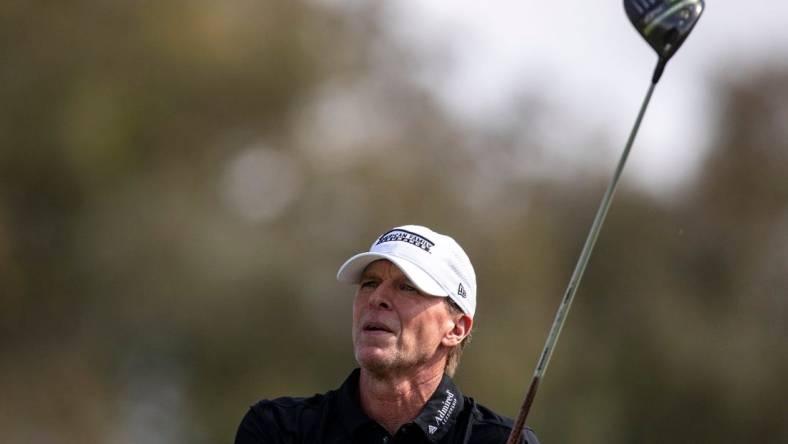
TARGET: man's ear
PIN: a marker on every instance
(462, 328)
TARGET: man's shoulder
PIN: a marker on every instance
(281, 419)
(489, 426)
(485, 415)
(292, 404)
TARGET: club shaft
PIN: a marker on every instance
(577, 275)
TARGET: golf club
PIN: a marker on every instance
(664, 24)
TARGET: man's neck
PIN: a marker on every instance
(393, 400)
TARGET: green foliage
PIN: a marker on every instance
(146, 295)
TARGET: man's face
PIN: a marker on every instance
(395, 326)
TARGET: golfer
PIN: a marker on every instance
(412, 315)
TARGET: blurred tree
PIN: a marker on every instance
(113, 119)
(179, 182)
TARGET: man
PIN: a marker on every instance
(412, 314)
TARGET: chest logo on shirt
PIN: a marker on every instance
(447, 408)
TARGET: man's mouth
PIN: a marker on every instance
(376, 327)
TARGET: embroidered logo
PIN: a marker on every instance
(449, 404)
(461, 291)
(406, 236)
(432, 429)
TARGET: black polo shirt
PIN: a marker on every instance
(336, 417)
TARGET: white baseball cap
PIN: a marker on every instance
(433, 262)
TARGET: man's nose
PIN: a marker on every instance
(381, 297)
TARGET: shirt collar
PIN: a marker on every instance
(436, 418)
(350, 410)
(441, 411)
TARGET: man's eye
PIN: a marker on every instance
(407, 287)
(369, 284)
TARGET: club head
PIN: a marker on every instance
(665, 24)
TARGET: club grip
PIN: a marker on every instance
(519, 424)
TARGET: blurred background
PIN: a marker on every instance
(179, 182)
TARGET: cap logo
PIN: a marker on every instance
(461, 291)
(408, 237)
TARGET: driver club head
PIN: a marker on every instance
(665, 24)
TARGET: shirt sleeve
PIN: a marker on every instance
(529, 436)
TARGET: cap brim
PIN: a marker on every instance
(350, 272)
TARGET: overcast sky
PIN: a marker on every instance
(592, 66)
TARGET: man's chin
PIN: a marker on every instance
(375, 361)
